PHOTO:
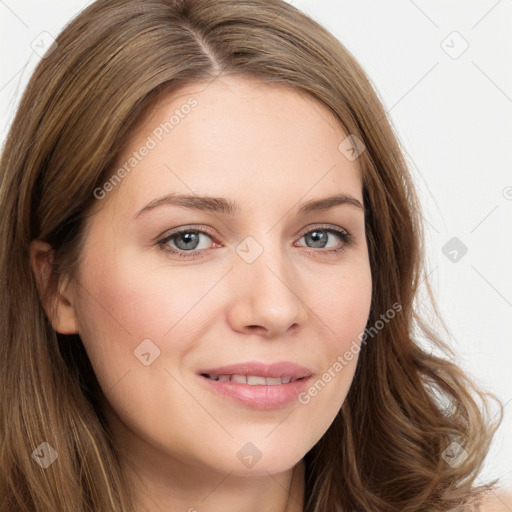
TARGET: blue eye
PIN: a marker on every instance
(186, 242)
(319, 237)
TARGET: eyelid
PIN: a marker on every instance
(326, 227)
(189, 227)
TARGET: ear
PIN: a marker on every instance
(56, 298)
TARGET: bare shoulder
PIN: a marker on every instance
(499, 501)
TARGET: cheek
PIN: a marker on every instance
(138, 299)
(344, 305)
(343, 309)
(124, 303)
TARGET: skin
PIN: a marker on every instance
(270, 149)
(498, 501)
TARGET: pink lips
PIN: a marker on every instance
(284, 369)
(259, 396)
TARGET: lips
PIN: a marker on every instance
(258, 385)
(250, 372)
(252, 380)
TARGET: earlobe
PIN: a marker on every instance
(56, 298)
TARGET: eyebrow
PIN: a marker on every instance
(228, 207)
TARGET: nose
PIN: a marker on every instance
(267, 298)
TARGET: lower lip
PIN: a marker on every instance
(260, 397)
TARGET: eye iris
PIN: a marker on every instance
(318, 237)
(190, 237)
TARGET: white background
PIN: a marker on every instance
(453, 115)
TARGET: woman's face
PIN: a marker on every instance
(260, 275)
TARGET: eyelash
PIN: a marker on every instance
(342, 234)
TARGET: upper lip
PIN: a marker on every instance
(255, 368)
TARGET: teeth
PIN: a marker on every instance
(253, 380)
(256, 381)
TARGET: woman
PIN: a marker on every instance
(178, 178)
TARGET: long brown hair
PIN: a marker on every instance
(384, 450)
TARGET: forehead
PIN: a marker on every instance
(236, 136)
